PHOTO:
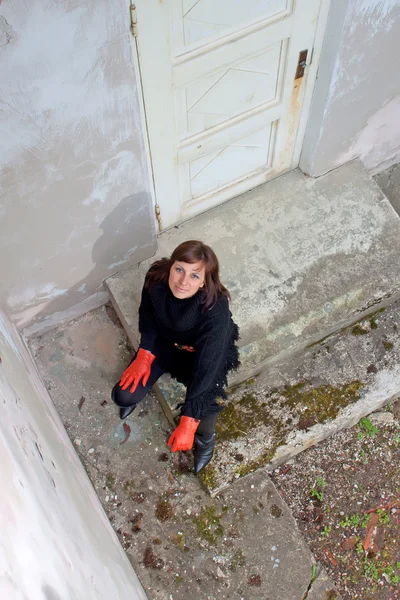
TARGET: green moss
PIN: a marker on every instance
(373, 324)
(322, 403)
(239, 418)
(208, 477)
(359, 330)
(356, 328)
(208, 525)
(320, 341)
(387, 345)
(304, 405)
(178, 580)
(110, 481)
(179, 540)
(258, 463)
(238, 560)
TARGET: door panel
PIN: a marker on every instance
(232, 91)
(221, 99)
(232, 162)
(204, 20)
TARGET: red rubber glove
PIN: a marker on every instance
(182, 438)
(139, 369)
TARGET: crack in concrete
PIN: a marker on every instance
(316, 570)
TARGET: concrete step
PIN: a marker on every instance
(302, 258)
(307, 397)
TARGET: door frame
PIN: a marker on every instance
(313, 67)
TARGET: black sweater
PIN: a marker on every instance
(165, 322)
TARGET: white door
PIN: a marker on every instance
(223, 85)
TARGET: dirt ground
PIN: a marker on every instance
(345, 496)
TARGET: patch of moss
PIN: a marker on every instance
(330, 595)
(387, 345)
(257, 463)
(322, 403)
(371, 317)
(307, 405)
(238, 560)
(373, 324)
(320, 341)
(178, 580)
(359, 330)
(208, 476)
(208, 525)
(110, 481)
(238, 418)
(179, 540)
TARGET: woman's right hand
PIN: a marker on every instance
(139, 370)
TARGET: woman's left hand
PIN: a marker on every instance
(182, 438)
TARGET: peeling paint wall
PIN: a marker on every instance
(356, 105)
(56, 542)
(75, 190)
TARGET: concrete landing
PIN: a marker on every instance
(301, 257)
(243, 544)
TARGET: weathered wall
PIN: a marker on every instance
(356, 104)
(56, 542)
(76, 202)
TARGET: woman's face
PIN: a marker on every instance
(185, 279)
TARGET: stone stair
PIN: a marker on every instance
(302, 258)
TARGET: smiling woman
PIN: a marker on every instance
(186, 330)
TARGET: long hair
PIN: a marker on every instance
(191, 252)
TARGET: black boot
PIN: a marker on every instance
(203, 452)
(125, 411)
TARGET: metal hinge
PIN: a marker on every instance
(158, 215)
(134, 29)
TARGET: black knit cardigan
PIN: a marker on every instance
(165, 323)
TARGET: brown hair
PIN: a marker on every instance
(191, 252)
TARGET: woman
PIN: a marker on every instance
(186, 330)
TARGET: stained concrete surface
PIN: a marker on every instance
(301, 257)
(389, 182)
(240, 545)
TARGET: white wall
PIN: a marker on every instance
(75, 201)
(56, 542)
(356, 105)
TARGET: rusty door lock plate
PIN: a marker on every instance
(301, 65)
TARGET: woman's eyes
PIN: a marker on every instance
(180, 270)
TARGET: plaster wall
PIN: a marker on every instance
(76, 200)
(56, 542)
(355, 111)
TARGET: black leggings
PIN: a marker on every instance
(125, 398)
